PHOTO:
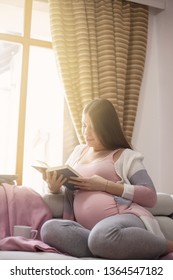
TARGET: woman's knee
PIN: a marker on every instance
(66, 236)
(48, 229)
(101, 239)
(106, 237)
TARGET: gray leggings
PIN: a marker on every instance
(117, 237)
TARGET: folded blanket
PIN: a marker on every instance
(19, 243)
(21, 206)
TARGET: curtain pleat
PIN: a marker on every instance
(100, 47)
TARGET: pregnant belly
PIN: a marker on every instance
(92, 207)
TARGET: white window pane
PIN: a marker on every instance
(12, 16)
(44, 123)
(40, 24)
(10, 77)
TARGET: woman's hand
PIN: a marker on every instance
(94, 183)
(54, 183)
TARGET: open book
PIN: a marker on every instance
(65, 170)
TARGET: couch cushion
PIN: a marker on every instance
(164, 205)
(166, 226)
(19, 255)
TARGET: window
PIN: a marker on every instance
(31, 93)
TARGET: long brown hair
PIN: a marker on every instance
(106, 124)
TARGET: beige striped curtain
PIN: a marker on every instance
(100, 47)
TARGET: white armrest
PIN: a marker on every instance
(164, 205)
(166, 226)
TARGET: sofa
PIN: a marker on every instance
(163, 211)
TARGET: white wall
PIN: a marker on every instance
(153, 131)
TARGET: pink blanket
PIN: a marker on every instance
(21, 206)
(19, 243)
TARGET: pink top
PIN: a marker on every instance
(139, 192)
(90, 207)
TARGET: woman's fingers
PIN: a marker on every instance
(55, 181)
(79, 182)
(94, 183)
(75, 180)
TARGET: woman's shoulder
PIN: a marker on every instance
(130, 154)
(128, 159)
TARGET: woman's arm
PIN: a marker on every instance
(141, 189)
(135, 183)
(138, 186)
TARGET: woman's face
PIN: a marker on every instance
(89, 134)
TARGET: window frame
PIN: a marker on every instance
(26, 41)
